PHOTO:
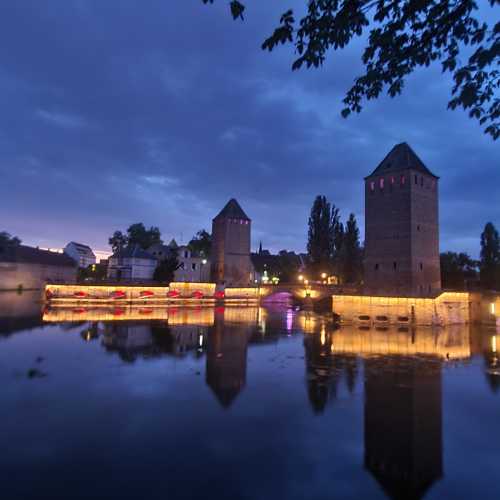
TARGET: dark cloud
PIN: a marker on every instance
(117, 112)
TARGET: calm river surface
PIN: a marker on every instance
(251, 403)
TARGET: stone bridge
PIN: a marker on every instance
(313, 292)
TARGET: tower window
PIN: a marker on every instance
(395, 265)
(392, 180)
(381, 183)
(402, 181)
(421, 266)
(376, 267)
(416, 179)
(372, 186)
(422, 181)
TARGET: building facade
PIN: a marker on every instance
(31, 268)
(231, 229)
(132, 264)
(193, 268)
(81, 254)
(402, 227)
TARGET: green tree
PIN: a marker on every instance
(137, 234)
(324, 235)
(350, 254)
(490, 257)
(118, 241)
(201, 243)
(164, 272)
(7, 239)
(456, 270)
(403, 35)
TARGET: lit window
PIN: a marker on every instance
(402, 180)
(392, 180)
(381, 183)
(372, 186)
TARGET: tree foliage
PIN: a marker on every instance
(490, 257)
(402, 36)
(350, 254)
(165, 270)
(325, 235)
(137, 234)
(456, 270)
(201, 243)
(6, 239)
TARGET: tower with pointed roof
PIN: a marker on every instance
(231, 264)
(402, 227)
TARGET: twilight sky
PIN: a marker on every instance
(115, 112)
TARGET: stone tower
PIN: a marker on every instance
(402, 227)
(231, 264)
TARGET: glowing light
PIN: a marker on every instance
(323, 276)
(306, 282)
(323, 336)
(494, 343)
(200, 341)
(204, 261)
(301, 278)
(492, 308)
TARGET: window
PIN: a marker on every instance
(392, 180)
(376, 267)
(416, 179)
(193, 266)
(422, 181)
(418, 227)
(421, 266)
(402, 181)
(381, 183)
(372, 186)
(395, 265)
(186, 254)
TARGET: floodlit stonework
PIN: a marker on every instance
(402, 227)
(231, 264)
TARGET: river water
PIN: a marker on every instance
(242, 403)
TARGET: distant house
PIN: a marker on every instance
(132, 264)
(81, 254)
(192, 267)
(32, 268)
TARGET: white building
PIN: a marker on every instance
(192, 268)
(132, 264)
(81, 254)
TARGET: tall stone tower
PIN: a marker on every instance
(402, 227)
(231, 264)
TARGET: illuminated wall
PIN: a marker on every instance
(448, 308)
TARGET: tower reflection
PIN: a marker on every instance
(227, 345)
(403, 424)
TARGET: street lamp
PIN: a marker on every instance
(301, 278)
(323, 276)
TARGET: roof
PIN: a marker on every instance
(81, 248)
(81, 245)
(232, 210)
(130, 252)
(401, 157)
(31, 255)
(173, 243)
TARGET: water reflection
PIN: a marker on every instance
(392, 378)
(403, 424)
